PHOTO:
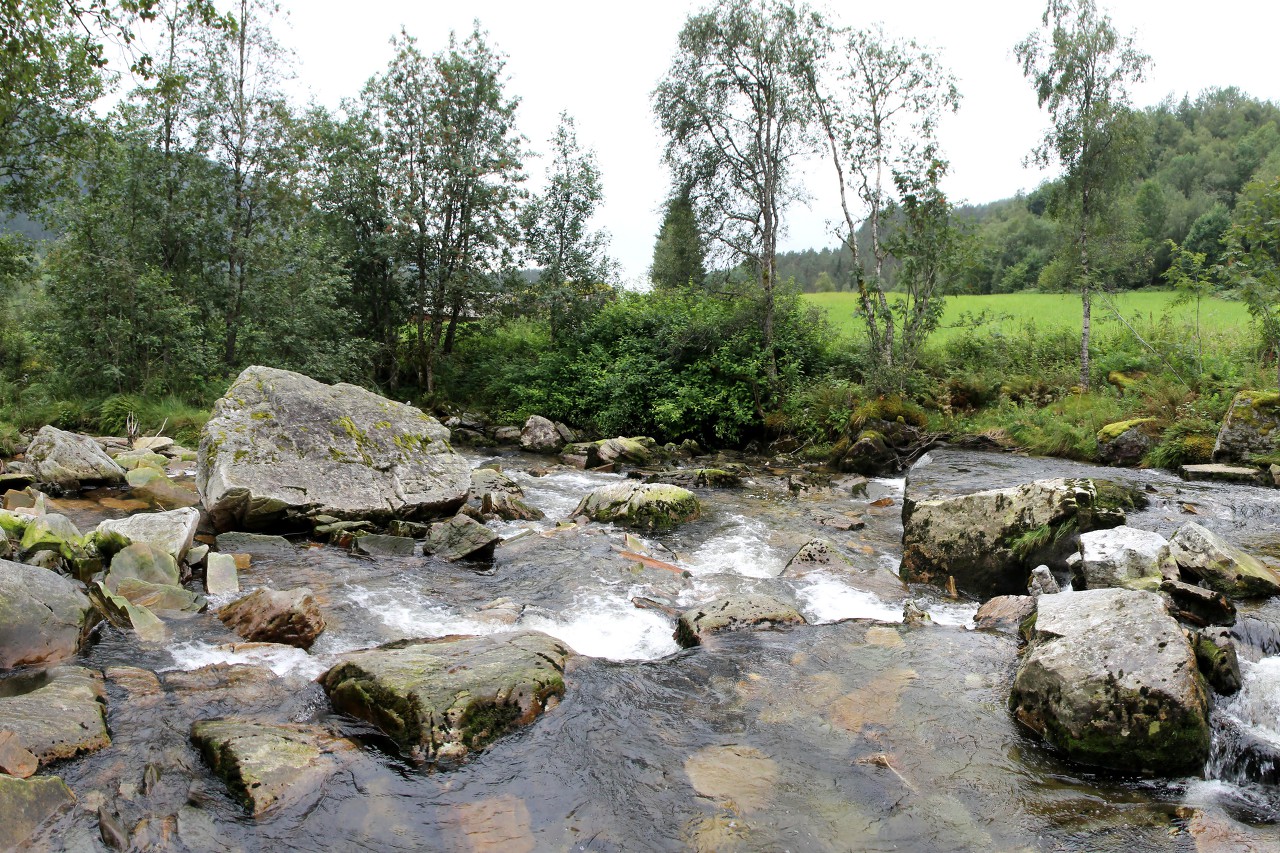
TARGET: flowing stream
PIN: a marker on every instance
(855, 733)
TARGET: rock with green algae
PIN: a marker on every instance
(173, 532)
(44, 617)
(1222, 566)
(265, 765)
(649, 505)
(1251, 427)
(1111, 680)
(751, 612)
(281, 445)
(155, 596)
(443, 699)
(1126, 442)
(27, 804)
(697, 478)
(123, 613)
(158, 490)
(131, 459)
(611, 451)
(60, 715)
(52, 532)
(144, 562)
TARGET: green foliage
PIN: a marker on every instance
(1252, 259)
(10, 440)
(679, 255)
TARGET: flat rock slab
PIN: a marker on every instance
(256, 544)
(221, 575)
(282, 445)
(172, 532)
(440, 700)
(734, 613)
(59, 715)
(25, 804)
(380, 545)
(264, 765)
(1217, 472)
(1111, 680)
(44, 617)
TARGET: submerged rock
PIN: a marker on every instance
(282, 446)
(440, 700)
(44, 617)
(989, 540)
(380, 545)
(69, 461)
(648, 505)
(816, 554)
(60, 716)
(697, 478)
(291, 617)
(1122, 555)
(256, 544)
(172, 532)
(1111, 680)
(26, 804)
(264, 764)
(1222, 566)
(734, 613)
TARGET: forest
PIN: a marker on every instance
(207, 222)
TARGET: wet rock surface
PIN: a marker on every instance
(44, 617)
(1005, 614)
(58, 714)
(1221, 565)
(282, 445)
(651, 506)
(291, 617)
(460, 538)
(25, 804)
(263, 764)
(172, 532)
(1110, 679)
(441, 700)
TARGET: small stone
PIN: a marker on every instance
(1005, 613)
(220, 574)
(378, 545)
(291, 617)
(460, 538)
(913, 614)
(1042, 582)
(817, 554)
(16, 759)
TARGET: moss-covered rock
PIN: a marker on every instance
(1222, 566)
(440, 700)
(1127, 442)
(1110, 679)
(1251, 427)
(67, 460)
(52, 532)
(264, 765)
(653, 506)
(144, 562)
(26, 804)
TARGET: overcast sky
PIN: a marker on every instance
(600, 61)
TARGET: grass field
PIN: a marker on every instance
(1014, 311)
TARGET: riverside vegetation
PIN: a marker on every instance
(429, 610)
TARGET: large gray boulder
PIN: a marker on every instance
(1222, 566)
(540, 436)
(440, 700)
(44, 617)
(989, 541)
(171, 532)
(1110, 679)
(69, 460)
(281, 446)
(1124, 555)
(1251, 427)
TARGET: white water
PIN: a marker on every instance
(742, 549)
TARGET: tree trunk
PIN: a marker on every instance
(1086, 305)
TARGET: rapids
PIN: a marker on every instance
(855, 733)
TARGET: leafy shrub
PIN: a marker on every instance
(11, 441)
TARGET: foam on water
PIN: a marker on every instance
(610, 628)
(1256, 708)
(411, 614)
(280, 659)
(742, 549)
(559, 494)
(825, 598)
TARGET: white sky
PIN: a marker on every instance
(601, 60)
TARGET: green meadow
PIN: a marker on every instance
(1016, 312)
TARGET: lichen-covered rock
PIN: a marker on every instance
(442, 699)
(734, 613)
(1121, 555)
(291, 617)
(172, 532)
(540, 436)
(281, 445)
(988, 541)
(44, 617)
(26, 804)
(816, 554)
(59, 715)
(1222, 566)
(68, 460)
(697, 478)
(1111, 680)
(1126, 442)
(1042, 582)
(123, 613)
(155, 596)
(881, 448)
(264, 765)
(52, 532)
(1217, 659)
(460, 538)
(1251, 427)
(509, 508)
(649, 505)
(488, 480)
(159, 491)
(611, 451)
